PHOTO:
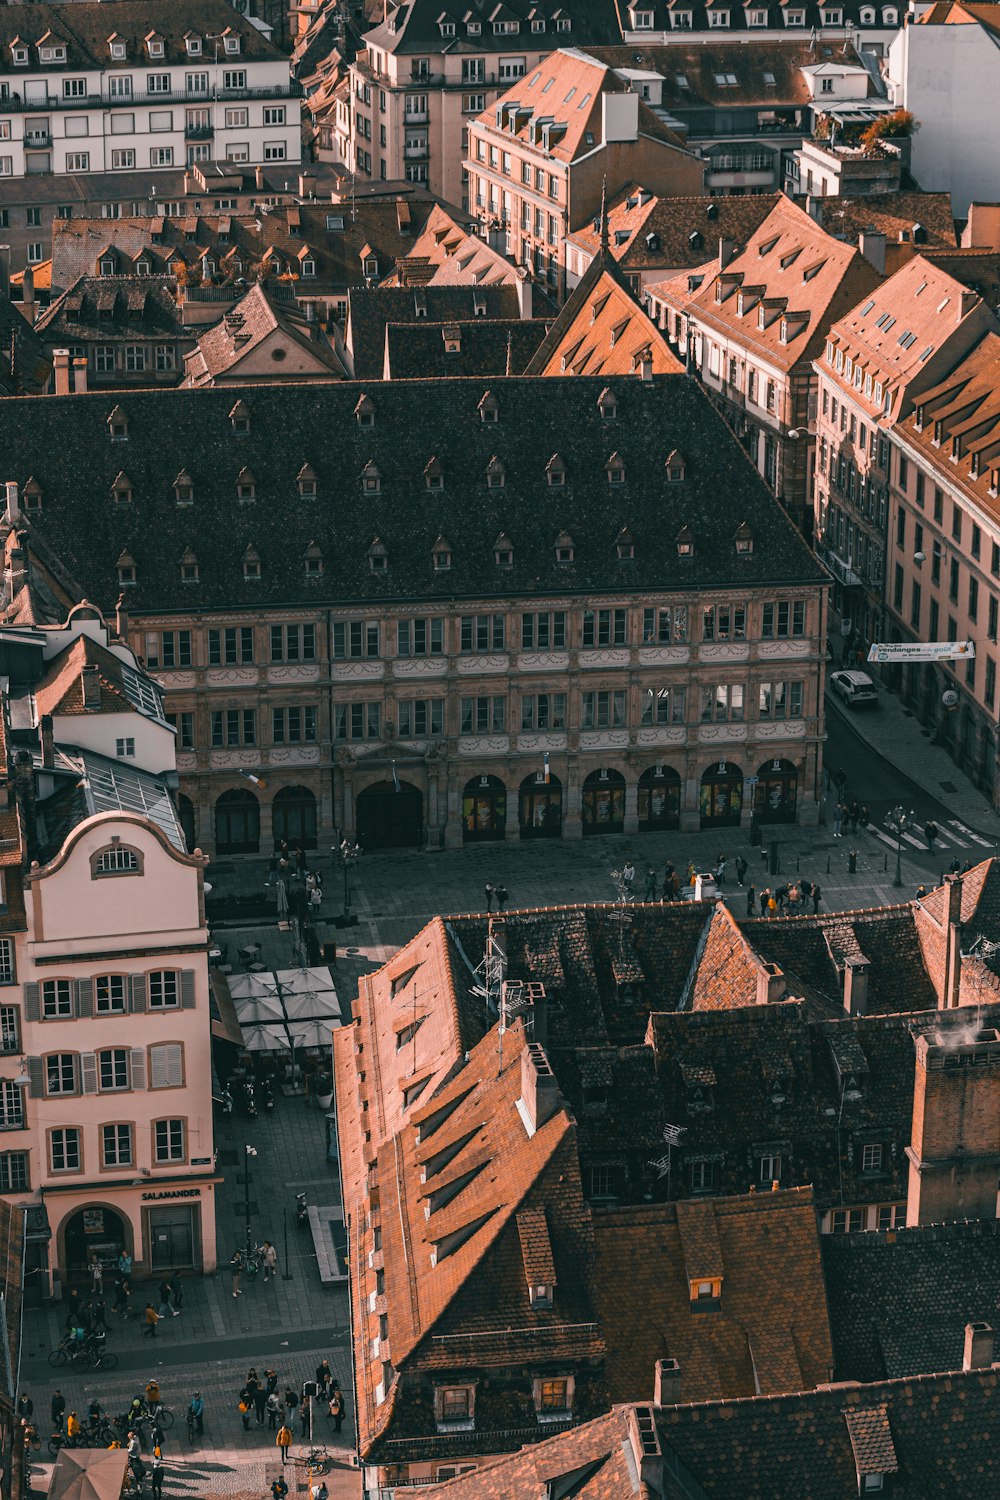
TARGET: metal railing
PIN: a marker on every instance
(14, 104)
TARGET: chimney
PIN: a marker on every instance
(188, 184)
(966, 303)
(307, 184)
(540, 1096)
(814, 208)
(48, 742)
(258, 178)
(80, 376)
(28, 294)
(524, 293)
(667, 1383)
(91, 679)
(954, 1145)
(60, 359)
(646, 366)
(978, 1351)
(951, 995)
(13, 502)
(727, 249)
(856, 986)
(24, 786)
(770, 984)
(121, 618)
(871, 243)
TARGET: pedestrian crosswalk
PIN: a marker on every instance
(956, 835)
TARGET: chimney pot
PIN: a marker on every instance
(80, 376)
(258, 178)
(60, 359)
(966, 303)
(48, 742)
(13, 502)
(727, 249)
(91, 678)
(667, 1383)
(978, 1352)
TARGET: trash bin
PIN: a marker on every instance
(773, 864)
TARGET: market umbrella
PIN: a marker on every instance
(88, 1474)
(265, 1039)
(298, 981)
(249, 986)
(282, 899)
(259, 1010)
(312, 1003)
(311, 1033)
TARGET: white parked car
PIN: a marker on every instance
(856, 689)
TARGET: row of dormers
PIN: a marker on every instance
(501, 22)
(234, 261)
(442, 555)
(757, 14)
(51, 50)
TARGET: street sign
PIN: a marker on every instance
(750, 781)
(921, 651)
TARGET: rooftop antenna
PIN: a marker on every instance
(509, 370)
(604, 218)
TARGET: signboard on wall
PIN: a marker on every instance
(93, 1221)
(922, 651)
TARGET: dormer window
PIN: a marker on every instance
(193, 45)
(117, 48)
(744, 541)
(489, 408)
(675, 467)
(365, 412)
(705, 1293)
(31, 495)
(184, 488)
(565, 548)
(685, 542)
(371, 479)
(496, 475)
(607, 405)
(240, 418)
(118, 426)
(541, 1295)
(126, 569)
(121, 490)
(246, 487)
(251, 564)
(378, 557)
(231, 44)
(615, 470)
(434, 475)
(503, 551)
(19, 54)
(555, 472)
(624, 545)
(143, 267)
(441, 555)
(189, 567)
(313, 561)
(305, 481)
(106, 265)
(154, 45)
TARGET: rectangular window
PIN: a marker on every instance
(166, 1066)
(10, 1038)
(166, 358)
(456, 1403)
(234, 78)
(483, 633)
(897, 587)
(419, 717)
(230, 646)
(779, 700)
(77, 161)
(168, 1141)
(274, 114)
(123, 160)
(64, 1150)
(484, 715)
(953, 574)
(721, 702)
(110, 994)
(604, 709)
(420, 637)
(57, 999)
(164, 989)
(60, 1073)
(990, 684)
(357, 721)
(724, 622)
(543, 711)
(871, 1158)
(784, 619)
(973, 598)
(991, 617)
(904, 472)
(14, 1176)
(295, 642)
(663, 706)
(113, 1069)
(232, 727)
(605, 627)
(161, 156)
(293, 726)
(116, 1146)
(544, 631)
(915, 605)
(956, 523)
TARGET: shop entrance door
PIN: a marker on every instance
(171, 1239)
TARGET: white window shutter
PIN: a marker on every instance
(138, 1067)
(32, 1002)
(88, 1069)
(187, 989)
(137, 984)
(85, 997)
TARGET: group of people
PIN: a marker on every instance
(850, 815)
(285, 866)
(673, 883)
(497, 892)
(260, 1399)
(788, 900)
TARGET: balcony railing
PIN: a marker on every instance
(37, 140)
(199, 132)
(14, 104)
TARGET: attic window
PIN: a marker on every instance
(118, 51)
(615, 470)
(121, 490)
(624, 545)
(496, 475)
(305, 481)
(434, 475)
(378, 558)
(32, 495)
(489, 409)
(675, 467)
(189, 567)
(607, 405)
(334, 221)
(251, 565)
(107, 265)
(565, 548)
(442, 555)
(193, 44)
(541, 1296)
(240, 418)
(19, 56)
(313, 561)
(503, 551)
(246, 487)
(232, 45)
(118, 426)
(744, 541)
(685, 542)
(365, 412)
(155, 46)
(556, 472)
(184, 488)
(126, 568)
(371, 480)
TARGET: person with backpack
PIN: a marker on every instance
(337, 1406)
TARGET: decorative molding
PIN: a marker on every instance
(664, 656)
(187, 760)
(604, 656)
(495, 744)
(713, 734)
(294, 755)
(662, 735)
(770, 650)
(724, 651)
(354, 671)
(532, 743)
(781, 729)
(233, 759)
(232, 676)
(543, 661)
(185, 678)
(293, 672)
(604, 739)
(475, 666)
(421, 666)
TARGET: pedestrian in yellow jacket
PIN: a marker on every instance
(284, 1441)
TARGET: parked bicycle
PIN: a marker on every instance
(320, 1460)
(60, 1440)
(94, 1355)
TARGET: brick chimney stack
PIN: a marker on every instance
(667, 1383)
(952, 991)
(978, 1353)
(540, 1097)
(954, 1150)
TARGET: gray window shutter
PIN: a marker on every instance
(88, 1069)
(36, 1075)
(85, 997)
(187, 989)
(138, 984)
(32, 1002)
(138, 1068)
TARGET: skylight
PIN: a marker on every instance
(682, 82)
(142, 695)
(769, 78)
(867, 308)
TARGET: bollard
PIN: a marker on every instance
(828, 864)
(773, 864)
(852, 862)
(885, 864)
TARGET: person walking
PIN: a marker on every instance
(197, 1410)
(489, 892)
(650, 892)
(501, 896)
(817, 896)
(25, 1407)
(57, 1409)
(125, 1264)
(164, 1306)
(772, 905)
(123, 1292)
(751, 900)
(838, 820)
(100, 1322)
(865, 816)
(291, 1401)
(274, 1411)
(720, 871)
(270, 1381)
(305, 1415)
(279, 1489)
(930, 834)
(323, 1377)
(260, 1404)
(628, 875)
(152, 1317)
(156, 1476)
(176, 1288)
(741, 869)
(852, 817)
(245, 1407)
(96, 1274)
(236, 1267)
(284, 1441)
(337, 1406)
(270, 1261)
(668, 880)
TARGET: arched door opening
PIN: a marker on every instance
(776, 794)
(721, 800)
(293, 817)
(237, 822)
(484, 809)
(97, 1230)
(540, 807)
(659, 798)
(389, 817)
(604, 802)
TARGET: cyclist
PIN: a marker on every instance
(197, 1410)
(152, 1393)
(94, 1413)
(72, 1427)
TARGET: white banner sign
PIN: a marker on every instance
(922, 651)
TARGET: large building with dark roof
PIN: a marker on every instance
(528, 607)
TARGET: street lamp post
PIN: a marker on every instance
(251, 1152)
(350, 852)
(900, 822)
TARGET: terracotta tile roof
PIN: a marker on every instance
(895, 330)
(60, 690)
(447, 252)
(956, 422)
(772, 1326)
(589, 1459)
(683, 230)
(536, 1247)
(602, 330)
(789, 266)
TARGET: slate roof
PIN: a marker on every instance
(486, 347)
(899, 1301)
(370, 310)
(770, 1333)
(114, 309)
(24, 363)
(602, 330)
(170, 430)
(767, 73)
(683, 229)
(86, 28)
(414, 27)
(739, 24)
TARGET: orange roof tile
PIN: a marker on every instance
(602, 330)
